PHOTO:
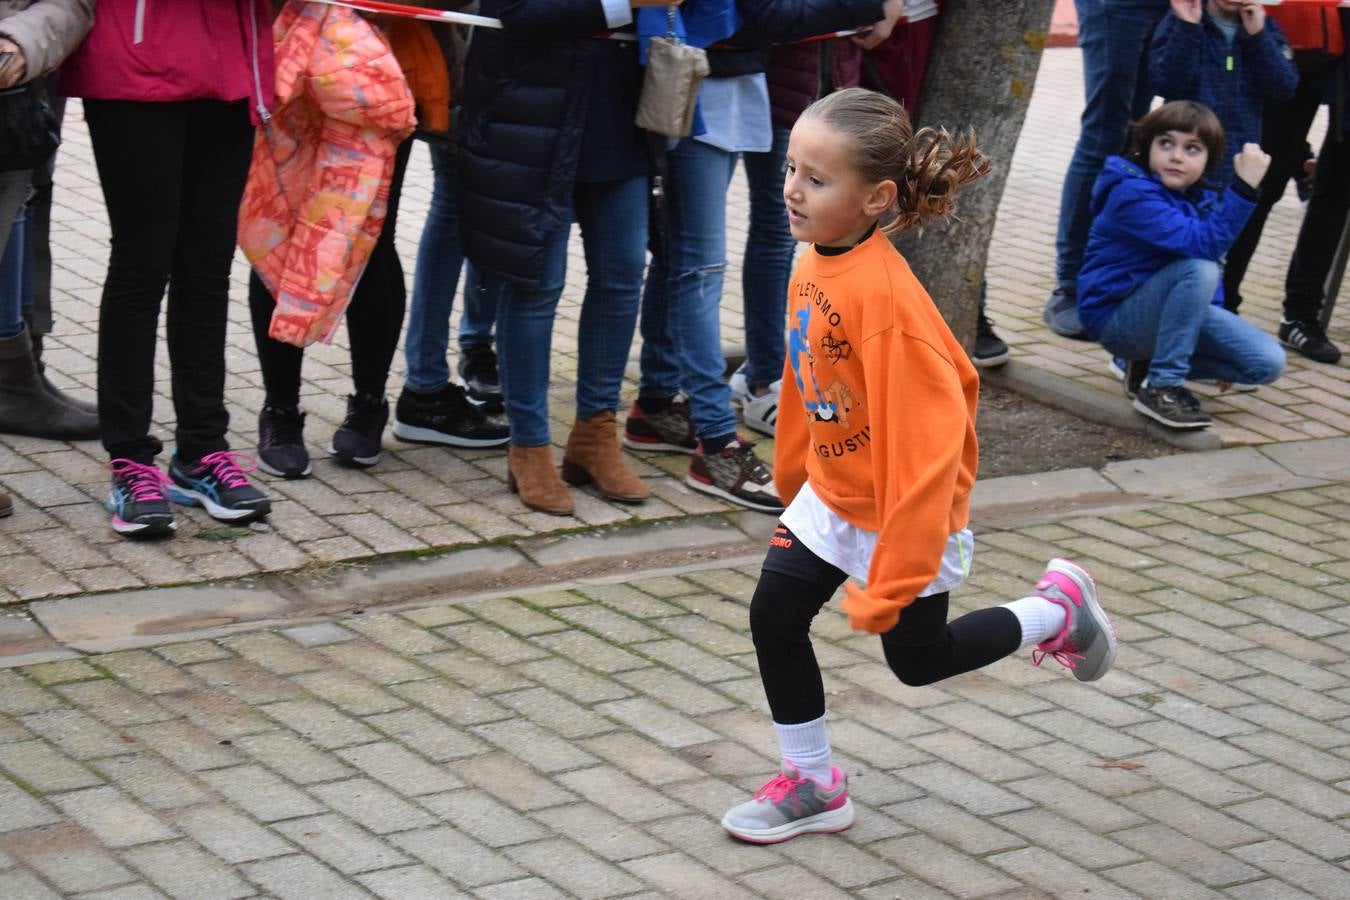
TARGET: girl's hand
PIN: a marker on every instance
(1188, 10)
(1253, 16)
(1251, 164)
(874, 35)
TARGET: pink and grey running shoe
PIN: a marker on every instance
(789, 805)
(1086, 644)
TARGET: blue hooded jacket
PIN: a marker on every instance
(1196, 62)
(1139, 225)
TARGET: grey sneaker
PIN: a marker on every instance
(789, 805)
(670, 429)
(736, 475)
(1174, 407)
(1087, 643)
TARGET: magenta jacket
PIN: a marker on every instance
(165, 50)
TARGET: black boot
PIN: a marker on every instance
(25, 406)
(61, 396)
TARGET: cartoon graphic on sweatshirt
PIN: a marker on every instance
(833, 403)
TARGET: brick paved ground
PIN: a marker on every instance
(583, 740)
(59, 544)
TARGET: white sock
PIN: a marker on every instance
(1041, 619)
(807, 747)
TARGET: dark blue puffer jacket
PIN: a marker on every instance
(1196, 62)
(527, 91)
(1139, 226)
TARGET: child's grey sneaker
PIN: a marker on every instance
(789, 805)
(1174, 407)
(1086, 645)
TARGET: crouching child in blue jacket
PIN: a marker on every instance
(1149, 290)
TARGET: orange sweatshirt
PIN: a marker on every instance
(878, 411)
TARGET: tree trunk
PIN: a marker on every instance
(980, 75)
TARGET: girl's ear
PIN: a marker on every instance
(881, 198)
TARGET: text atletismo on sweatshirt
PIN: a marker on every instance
(878, 411)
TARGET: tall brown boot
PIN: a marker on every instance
(592, 454)
(25, 406)
(6, 505)
(531, 473)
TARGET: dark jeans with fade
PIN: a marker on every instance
(172, 175)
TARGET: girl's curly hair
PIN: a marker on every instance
(927, 167)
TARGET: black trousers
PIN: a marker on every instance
(1284, 135)
(923, 648)
(172, 176)
(1320, 234)
(374, 318)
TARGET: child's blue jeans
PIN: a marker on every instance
(1172, 318)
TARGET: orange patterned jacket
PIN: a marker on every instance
(318, 188)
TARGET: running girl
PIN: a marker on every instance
(876, 457)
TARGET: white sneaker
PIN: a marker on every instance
(759, 413)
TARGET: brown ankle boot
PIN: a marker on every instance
(592, 454)
(531, 473)
(6, 505)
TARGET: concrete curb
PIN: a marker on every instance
(66, 627)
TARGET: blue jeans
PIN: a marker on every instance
(613, 219)
(435, 279)
(1172, 318)
(769, 249)
(681, 332)
(1114, 36)
(13, 297)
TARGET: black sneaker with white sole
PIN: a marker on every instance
(359, 440)
(1310, 339)
(990, 350)
(447, 417)
(478, 375)
(1174, 407)
(281, 442)
(218, 483)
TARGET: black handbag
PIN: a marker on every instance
(29, 129)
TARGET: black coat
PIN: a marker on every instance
(526, 96)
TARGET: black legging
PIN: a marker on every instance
(374, 318)
(921, 649)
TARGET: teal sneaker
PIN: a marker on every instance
(789, 805)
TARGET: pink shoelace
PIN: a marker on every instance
(778, 787)
(147, 482)
(1065, 655)
(225, 465)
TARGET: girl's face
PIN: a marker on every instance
(1178, 158)
(828, 201)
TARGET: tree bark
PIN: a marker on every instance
(980, 75)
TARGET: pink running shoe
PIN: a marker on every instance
(1086, 644)
(789, 805)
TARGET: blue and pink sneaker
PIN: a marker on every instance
(1086, 644)
(139, 499)
(218, 483)
(789, 805)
